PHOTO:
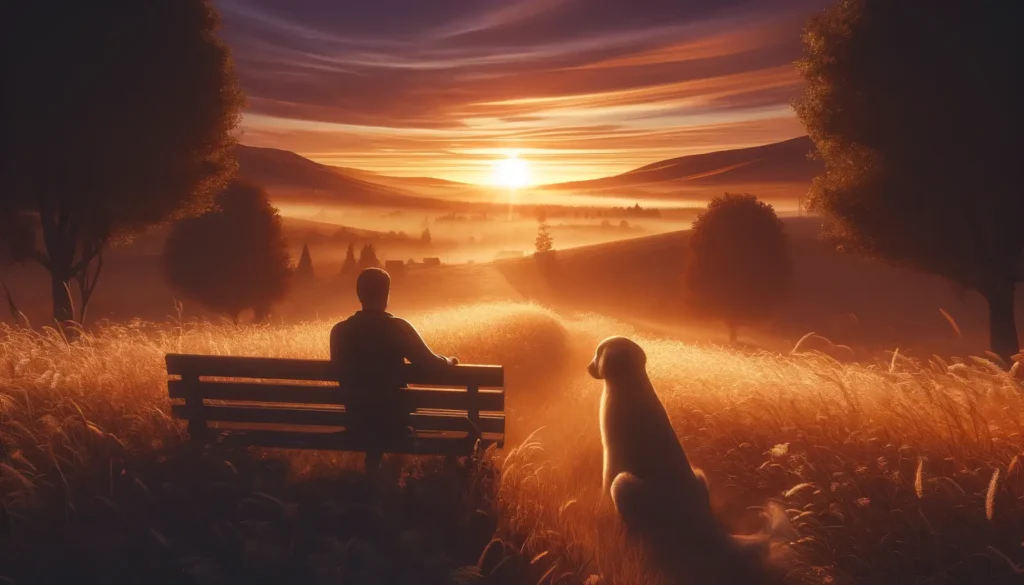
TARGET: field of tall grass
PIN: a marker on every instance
(895, 471)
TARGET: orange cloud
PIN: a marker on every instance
(581, 88)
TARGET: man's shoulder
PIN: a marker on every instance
(359, 318)
(342, 325)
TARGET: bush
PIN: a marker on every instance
(232, 258)
(739, 267)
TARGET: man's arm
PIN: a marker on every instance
(337, 344)
(416, 350)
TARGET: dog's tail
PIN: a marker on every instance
(777, 530)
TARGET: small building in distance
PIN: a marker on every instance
(431, 261)
(394, 267)
(505, 254)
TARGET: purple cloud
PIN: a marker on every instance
(332, 79)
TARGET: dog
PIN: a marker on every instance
(663, 501)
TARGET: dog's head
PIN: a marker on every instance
(617, 357)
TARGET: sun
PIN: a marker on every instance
(512, 172)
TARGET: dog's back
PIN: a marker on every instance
(638, 437)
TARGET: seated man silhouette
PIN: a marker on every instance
(368, 349)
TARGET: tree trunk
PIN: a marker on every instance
(732, 334)
(60, 289)
(1002, 324)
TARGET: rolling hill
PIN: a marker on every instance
(423, 186)
(773, 171)
(783, 164)
(287, 175)
(847, 298)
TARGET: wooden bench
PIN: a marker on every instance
(298, 404)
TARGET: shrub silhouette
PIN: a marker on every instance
(117, 115)
(911, 111)
(368, 257)
(304, 271)
(739, 267)
(232, 258)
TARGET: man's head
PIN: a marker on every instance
(373, 288)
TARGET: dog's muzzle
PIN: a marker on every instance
(592, 370)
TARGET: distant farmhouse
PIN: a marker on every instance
(431, 261)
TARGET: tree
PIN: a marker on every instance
(232, 258)
(350, 266)
(544, 242)
(368, 257)
(425, 237)
(911, 110)
(739, 267)
(116, 115)
(304, 271)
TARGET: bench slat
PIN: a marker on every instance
(295, 369)
(344, 442)
(331, 417)
(491, 400)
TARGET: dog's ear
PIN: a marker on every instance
(621, 355)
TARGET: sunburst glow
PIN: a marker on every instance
(512, 172)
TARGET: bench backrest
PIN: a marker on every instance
(302, 397)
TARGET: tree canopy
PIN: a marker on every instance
(911, 110)
(116, 115)
(739, 267)
(233, 257)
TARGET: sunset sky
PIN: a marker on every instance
(579, 88)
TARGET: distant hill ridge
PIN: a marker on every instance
(781, 162)
(286, 173)
(283, 171)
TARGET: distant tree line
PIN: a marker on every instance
(458, 218)
(345, 234)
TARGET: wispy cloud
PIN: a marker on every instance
(582, 88)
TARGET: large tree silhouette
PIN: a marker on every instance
(739, 267)
(116, 115)
(912, 111)
(233, 257)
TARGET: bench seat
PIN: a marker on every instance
(299, 404)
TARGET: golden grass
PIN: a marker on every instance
(892, 472)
